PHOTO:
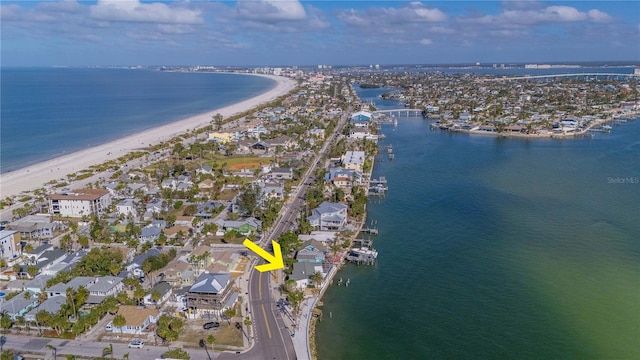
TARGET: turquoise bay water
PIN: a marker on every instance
(496, 248)
(48, 112)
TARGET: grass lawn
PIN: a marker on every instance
(227, 195)
(218, 240)
(239, 162)
(226, 335)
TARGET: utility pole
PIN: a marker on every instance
(204, 345)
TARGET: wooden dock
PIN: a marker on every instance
(372, 231)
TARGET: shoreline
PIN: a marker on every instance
(628, 116)
(37, 175)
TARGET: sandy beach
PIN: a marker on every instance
(35, 176)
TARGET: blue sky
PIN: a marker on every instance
(274, 32)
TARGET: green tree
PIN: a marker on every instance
(5, 322)
(83, 241)
(296, 297)
(66, 242)
(190, 210)
(28, 248)
(155, 296)
(249, 199)
(229, 313)
(71, 301)
(317, 278)
(32, 270)
(138, 293)
(7, 355)
(169, 327)
(217, 120)
(119, 321)
(289, 242)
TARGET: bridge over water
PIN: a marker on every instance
(399, 112)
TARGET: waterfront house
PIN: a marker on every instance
(78, 203)
(303, 271)
(310, 254)
(343, 178)
(361, 116)
(329, 216)
(362, 133)
(212, 292)
(137, 319)
(320, 236)
(353, 160)
(465, 116)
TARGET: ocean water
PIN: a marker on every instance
(49, 112)
(493, 248)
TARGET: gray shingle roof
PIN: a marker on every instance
(211, 283)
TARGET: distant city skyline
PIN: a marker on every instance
(283, 33)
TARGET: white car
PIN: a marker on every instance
(137, 344)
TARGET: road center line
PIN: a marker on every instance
(264, 313)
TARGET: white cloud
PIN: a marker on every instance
(135, 11)
(176, 29)
(414, 12)
(596, 15)
(549, 15)
(425, 42)
(270, 10)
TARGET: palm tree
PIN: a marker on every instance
(42, 297)
(317, 278)
(119, 321)
(42, 318)
(138, 293)
(155, 296)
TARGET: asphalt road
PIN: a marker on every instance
(272, 338)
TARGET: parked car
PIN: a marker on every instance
(137, 344)
(210, 325)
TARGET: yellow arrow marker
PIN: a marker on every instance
(274, 262)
